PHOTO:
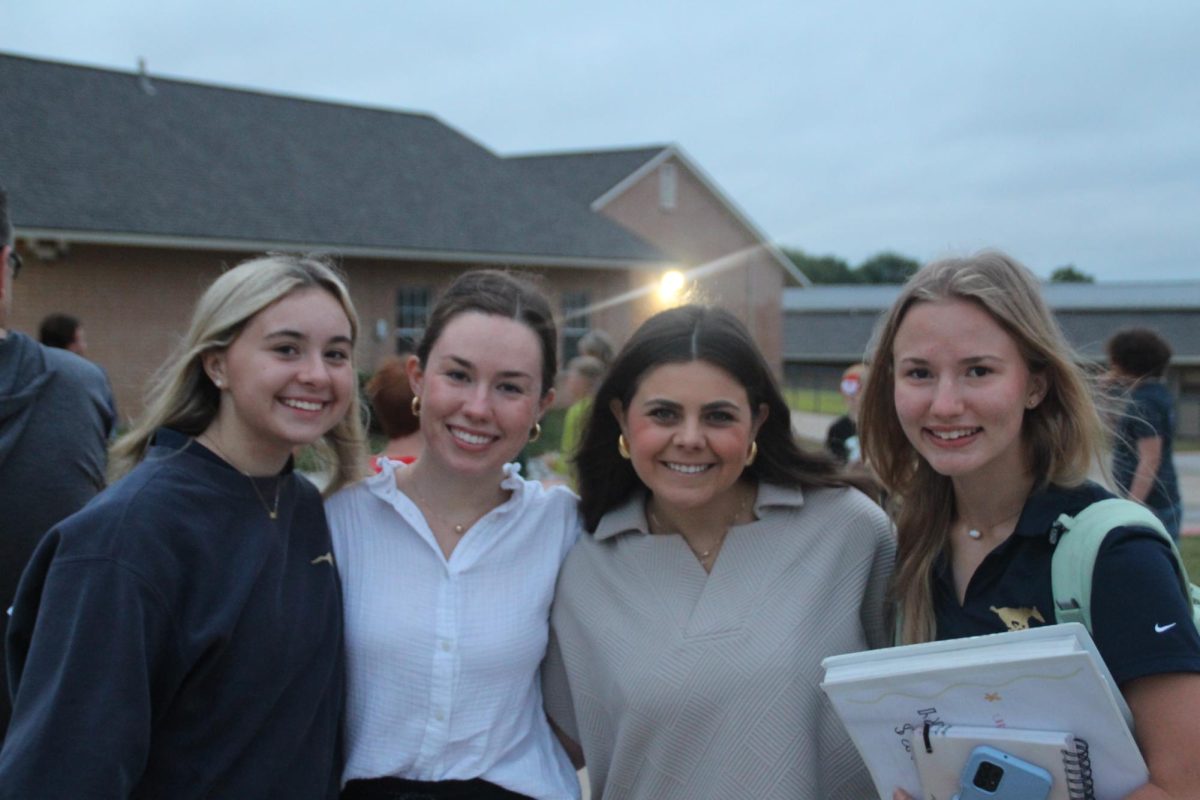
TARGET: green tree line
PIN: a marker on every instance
(889, 267)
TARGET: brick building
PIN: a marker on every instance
(130, 192)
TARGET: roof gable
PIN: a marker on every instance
(597, 177)
(586, 175)
(84, 149)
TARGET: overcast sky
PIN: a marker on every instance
(1063, 132)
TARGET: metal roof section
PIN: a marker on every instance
(1118, 295)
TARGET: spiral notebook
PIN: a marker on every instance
(942, 750)
(1048, 678)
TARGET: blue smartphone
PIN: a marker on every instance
(992, 774)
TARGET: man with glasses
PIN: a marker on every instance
(54, 424)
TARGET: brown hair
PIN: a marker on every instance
(391, 399)
(505, 294)
(680, 335)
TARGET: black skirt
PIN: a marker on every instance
(404, 789)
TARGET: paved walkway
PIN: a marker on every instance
(812, 427)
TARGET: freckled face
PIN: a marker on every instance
(689, 427)
(480, 393)
(962, 389)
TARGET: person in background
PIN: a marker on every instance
(597, 344)
(583, 376)
(982, 428)
(66, 332)
(449, 567)
(55, 421)
(842, 437)
(722, 563)
(181, 636)
(63, 330)
(1143, 450)
(391, 400)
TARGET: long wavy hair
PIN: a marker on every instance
(183, 397)
(1063, 435)
(680, 335)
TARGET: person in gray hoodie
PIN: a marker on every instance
(55, 419)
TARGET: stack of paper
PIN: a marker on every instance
(1048, 678)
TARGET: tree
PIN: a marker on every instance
(1068, 274)
(886, 267)
(821, 269)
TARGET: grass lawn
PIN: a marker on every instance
(818, 401)
(1189, 547)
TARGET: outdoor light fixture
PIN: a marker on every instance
(670, 288)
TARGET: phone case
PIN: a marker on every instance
(992, 774)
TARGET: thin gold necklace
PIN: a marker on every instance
(428, 509)
(272, 512)
(703, 555)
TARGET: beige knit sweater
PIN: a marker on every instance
(681, 685)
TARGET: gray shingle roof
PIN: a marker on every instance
(85, 149)
(586, 175)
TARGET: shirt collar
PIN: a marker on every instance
(383, 483)
(1044, 506)
(630, 516)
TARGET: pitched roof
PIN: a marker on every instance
(86, 151)
(596, 177)
(586, 175)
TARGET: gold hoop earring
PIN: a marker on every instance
(416, 406)
(623, 447)
(753, 453)
(536, 433)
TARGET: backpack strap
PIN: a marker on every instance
(1078, 543)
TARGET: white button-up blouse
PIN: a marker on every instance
(443, 654)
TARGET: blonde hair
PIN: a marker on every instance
(183, 397)
(1063, 435)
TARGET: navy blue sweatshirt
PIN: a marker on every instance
(171, 640)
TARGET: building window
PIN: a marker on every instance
(412, 315)
(577, 320)
(668, 186)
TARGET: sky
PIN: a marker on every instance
(1064, 133)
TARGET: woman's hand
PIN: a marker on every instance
(900, 794)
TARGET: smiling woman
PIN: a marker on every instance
(449, 567)
(154, 643)
(722, 564)
(980, 424)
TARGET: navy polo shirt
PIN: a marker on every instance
(1142, 623)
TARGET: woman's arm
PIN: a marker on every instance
(1166, 716)
(83, 681)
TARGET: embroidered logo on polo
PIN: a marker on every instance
(1017, 619)
(328, 557)
(1163, 628)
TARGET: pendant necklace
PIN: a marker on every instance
(272, 511)
(975, 534)
(703, 555)
(458, 528)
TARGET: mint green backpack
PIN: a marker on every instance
(1079, 539)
